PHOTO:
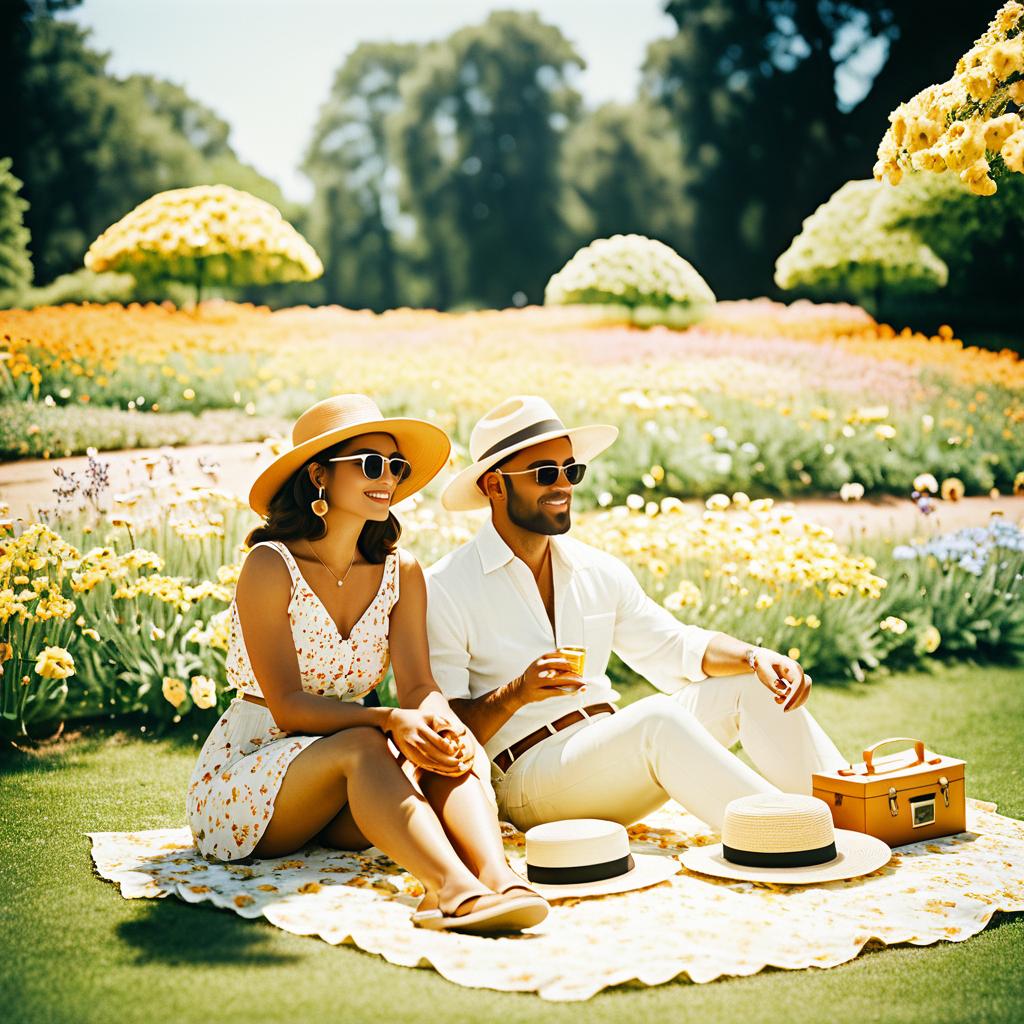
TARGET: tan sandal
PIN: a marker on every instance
(508, 914)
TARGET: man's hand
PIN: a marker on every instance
(783, 676)
(549, 676)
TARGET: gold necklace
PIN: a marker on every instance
(328, 568)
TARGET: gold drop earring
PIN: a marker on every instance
(319, 506)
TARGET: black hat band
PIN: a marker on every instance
(581, 873)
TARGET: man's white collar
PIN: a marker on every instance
(495, 553)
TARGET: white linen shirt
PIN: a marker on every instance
(486, 622)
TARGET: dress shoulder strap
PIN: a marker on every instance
(289, 558)
(393, 568)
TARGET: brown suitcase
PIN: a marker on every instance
(902, 798)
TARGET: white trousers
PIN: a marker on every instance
(625, 765)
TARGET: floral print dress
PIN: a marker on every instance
(244, 759)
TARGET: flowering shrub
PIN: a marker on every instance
(842, 251)
(964, 125)
(962, 590)
(209, 234)
(647, 276)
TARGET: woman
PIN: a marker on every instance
(324, 600)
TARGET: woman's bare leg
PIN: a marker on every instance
(471, 822)
(355, 765)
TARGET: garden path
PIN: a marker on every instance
(27, 484)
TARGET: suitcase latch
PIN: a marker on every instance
(944, 787)
(839, 798)
(893, 806)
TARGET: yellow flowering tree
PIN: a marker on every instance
(206, 235)
(969, 125)
(646, 280)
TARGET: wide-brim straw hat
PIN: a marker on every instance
(786, 838)
(340, 417)
(587, 857)
(517, 423)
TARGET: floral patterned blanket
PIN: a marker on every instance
(692, 926)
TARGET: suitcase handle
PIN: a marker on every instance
(918, 750)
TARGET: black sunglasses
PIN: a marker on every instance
(548, 474)
(373, 465)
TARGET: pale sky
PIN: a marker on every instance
(266, 66)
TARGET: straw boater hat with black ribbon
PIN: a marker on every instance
(787, 838)
(336, 419)
(518, 423)
(587, 857)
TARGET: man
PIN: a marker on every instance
(501, 605)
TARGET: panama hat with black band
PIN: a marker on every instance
(517, 423)
(578, 857)
(787, 838)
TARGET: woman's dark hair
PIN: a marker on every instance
(289, 516)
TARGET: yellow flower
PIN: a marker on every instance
(893, 624)
(764, 601)
(926, 482)
(794, 653)
(813, 621)
(931, 638)
(6, 652)
(174, 691)
(91, 633)
(885, 432)
(204, 692)
(976, 178)
(717, 502)
(55, 663)
(952, 489)
(1012, 151)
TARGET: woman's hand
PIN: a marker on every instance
(784, 676)
(429, 741)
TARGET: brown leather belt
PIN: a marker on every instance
(504, 758)
(253, 699)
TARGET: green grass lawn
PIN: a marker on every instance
(73, 950)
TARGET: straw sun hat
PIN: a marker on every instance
(587, 857)
(786, 838)
(336, 419)
(517, 423)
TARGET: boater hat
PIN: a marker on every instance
(786, 838)
(587, 857)
(336, 419)
(517, 423)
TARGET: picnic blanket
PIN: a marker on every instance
(692, 926)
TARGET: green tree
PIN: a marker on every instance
(354, 219)
(15, 260)
(90, 147)
(751, 88)
(478, 140)
(624, 172)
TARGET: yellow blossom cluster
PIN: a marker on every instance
(752, 546)
(963, 125)
(212, 232)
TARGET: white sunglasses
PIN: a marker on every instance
(373, 465)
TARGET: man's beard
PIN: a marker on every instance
(534, 518)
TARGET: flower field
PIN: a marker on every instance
(770, 399)
(120, 606)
